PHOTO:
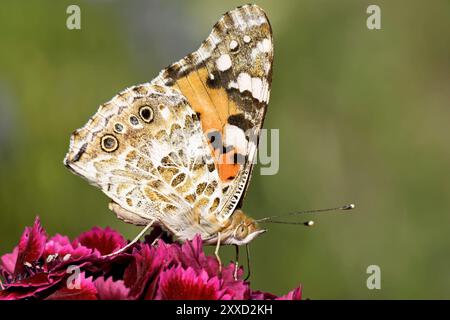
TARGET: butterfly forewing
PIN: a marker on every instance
(227, 82)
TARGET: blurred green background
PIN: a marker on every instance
(363, 117)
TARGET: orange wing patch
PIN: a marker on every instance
(212, 104)
(228, 170)
(213, 107)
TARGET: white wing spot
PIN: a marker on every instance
(235, 136)
(165, 113)
(266, 45)
(244, 82)
(233, 44)
(247, 39)
(267, 67)
(256, 86)
(263, 46)
(223, 62)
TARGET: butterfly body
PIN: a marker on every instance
(180, 149)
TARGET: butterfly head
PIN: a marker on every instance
(241, 230)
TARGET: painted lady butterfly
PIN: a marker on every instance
(179, 151)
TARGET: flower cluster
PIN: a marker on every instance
(42, 267)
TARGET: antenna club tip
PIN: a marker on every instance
(348, 206)
(309, 223)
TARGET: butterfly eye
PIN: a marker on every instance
(134, 120)
(146, 113)
(109, 143)
(241, 231)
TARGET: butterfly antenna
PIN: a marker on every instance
(308, 223)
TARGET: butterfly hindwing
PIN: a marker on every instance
(145, 149)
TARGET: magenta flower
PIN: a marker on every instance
(56, 268)
(85, 290)
(178, 283)
(104, 241)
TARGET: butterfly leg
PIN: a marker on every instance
(216, 252)
(157, 239)
(247, 249)
(134, 240)
(236, 263)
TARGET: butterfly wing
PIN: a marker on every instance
(181, 148)
(145, 149)
(227, 82)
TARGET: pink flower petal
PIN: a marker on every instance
(85, 291)
(141, 274)
(8, 261)
(259, 295)
(13, 293)
(180, 284)
(106, 240)
(236, 289)
(190, 255)
(111, 290)
(31, 246)
(295, 294)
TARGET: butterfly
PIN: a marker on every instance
(179, 151)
